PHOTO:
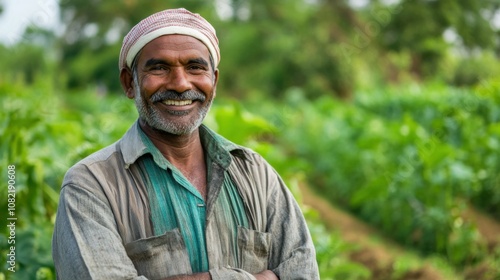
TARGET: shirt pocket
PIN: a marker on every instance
(254, 249)
(160, 256)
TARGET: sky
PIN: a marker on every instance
(18, 14)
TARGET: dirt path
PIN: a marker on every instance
(377, 256)
(488, 227)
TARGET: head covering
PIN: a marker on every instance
(174, 21)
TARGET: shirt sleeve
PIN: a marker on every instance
(293, 254)
(86, 244)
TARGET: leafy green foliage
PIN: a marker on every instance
(471, 71)
(404, 159)
(42, 137)
(331, 252)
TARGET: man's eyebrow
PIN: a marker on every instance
(154, 61)
(198, 60)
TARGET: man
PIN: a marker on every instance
(172, 198)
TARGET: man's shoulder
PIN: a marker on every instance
(95, 163)
(108, 161)
(101, 155)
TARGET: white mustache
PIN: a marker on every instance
(173, 95)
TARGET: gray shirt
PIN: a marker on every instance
(103, 227)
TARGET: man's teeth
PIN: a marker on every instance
(177, 102)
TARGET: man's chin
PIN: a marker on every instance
(169, 128)
(181, 122)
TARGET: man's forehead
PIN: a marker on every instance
(178, 41)
(175, 46)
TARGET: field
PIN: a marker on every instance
(396, 183)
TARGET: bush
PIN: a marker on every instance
(469, 71)
(403, 159)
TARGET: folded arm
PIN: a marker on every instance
(264, 275)
(85, 246)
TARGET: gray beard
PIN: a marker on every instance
(152, 117)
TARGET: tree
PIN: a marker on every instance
(274, 45)
(419, 26)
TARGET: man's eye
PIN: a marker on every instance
(196, 67)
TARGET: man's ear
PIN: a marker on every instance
(216, 79)
(127, 82)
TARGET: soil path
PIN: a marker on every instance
(377, 256)
(488, 227)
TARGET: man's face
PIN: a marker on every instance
(174, 84)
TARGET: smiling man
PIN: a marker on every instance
(172, 199)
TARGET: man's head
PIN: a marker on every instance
(168, 66)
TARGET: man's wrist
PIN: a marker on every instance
(266, 275)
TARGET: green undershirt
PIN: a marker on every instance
(176, 203)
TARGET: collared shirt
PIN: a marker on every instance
(176, 203)
(104, 227)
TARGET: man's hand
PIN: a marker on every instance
(197, 276)
(266, 275)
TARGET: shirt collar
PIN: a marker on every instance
(219, 149)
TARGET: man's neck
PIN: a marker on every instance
(185, 152)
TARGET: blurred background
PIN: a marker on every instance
(381, 115)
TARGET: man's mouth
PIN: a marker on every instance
(177, 102)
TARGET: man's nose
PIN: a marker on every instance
(178, 80)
